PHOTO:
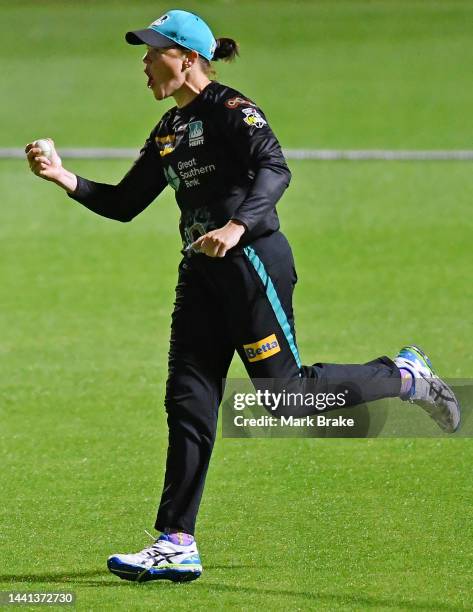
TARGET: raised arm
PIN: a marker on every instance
(138, 188)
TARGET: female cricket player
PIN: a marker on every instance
(215, 149)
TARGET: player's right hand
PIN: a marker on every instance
(49, 170)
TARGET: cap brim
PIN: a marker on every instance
(148, 37)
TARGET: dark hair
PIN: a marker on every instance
(227, 50)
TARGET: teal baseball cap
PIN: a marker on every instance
(177, 27)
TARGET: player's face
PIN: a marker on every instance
(164, 68)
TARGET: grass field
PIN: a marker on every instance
(383, 252)
(344, 73)
(322, 524)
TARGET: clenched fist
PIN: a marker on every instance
(217, 242)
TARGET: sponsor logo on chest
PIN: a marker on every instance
(188, 172)
(196, 133)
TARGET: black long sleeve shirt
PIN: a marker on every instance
(219, 155)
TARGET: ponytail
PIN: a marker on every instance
(227, 50)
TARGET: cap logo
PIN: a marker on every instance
(160, 21)
(184, 28)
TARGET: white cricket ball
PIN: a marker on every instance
(45, 146)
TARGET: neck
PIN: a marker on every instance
(190, 90)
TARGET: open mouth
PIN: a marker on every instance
(150, 80)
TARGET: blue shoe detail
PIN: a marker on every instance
(162, 560)
(417, 355)
(428, 390)
(187, 570)
(415, 358)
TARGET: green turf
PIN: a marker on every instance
(383, 254)
(285, 524)
(350, 73)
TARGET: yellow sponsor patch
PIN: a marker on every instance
(267, 347)
(166, 144)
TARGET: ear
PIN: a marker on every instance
(190, 59)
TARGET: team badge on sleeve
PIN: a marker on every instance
(253, 118)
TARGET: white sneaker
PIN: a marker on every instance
(428, 390)
(162, 560)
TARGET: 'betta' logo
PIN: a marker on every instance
(267, 347)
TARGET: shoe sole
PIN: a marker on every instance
(135, 573)
(428, 407)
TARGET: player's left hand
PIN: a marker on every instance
(217, 242)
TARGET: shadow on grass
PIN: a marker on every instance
(113, 582)
(335, 598)
(66, 577)
(76, 578)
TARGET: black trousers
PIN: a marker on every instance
(240, 302)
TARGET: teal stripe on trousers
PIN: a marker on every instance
(273, 300)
